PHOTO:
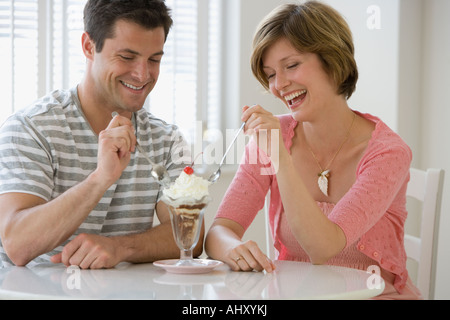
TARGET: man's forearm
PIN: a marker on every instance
(39, 228)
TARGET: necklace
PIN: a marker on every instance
(324, 175)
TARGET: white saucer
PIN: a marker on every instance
(202, 266)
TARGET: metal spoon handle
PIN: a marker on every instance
(144, 154)
(231, 144)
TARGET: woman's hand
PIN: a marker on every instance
(248, 257)
(258, 119)
(223, 242)
(266, 131)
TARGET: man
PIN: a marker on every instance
(73, 188)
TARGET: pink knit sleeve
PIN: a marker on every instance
(246, 194)
(380, 188)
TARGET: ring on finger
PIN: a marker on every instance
(237, 259)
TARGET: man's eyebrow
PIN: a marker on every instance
(159, 53)
(130, 51)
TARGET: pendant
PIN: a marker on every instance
(323, 181)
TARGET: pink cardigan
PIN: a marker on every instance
(372, 213)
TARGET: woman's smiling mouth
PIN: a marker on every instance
(295, 97)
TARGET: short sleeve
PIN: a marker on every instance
(26, 161)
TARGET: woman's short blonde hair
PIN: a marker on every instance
(311, 27)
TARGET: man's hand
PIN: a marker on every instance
(89, 251)
(116, 143)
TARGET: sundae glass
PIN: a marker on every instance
(187, 199)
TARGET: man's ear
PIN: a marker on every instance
(88, 46)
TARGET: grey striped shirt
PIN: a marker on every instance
(49, 147)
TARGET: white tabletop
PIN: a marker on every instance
(291, 280)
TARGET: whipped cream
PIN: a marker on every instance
(187, 189)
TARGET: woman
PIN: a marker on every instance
(338, 191)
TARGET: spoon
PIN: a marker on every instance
(158, 171)
(216, 175)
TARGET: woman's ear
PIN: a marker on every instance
(88, 46)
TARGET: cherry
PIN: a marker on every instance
(188, 170)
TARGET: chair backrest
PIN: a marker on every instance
(426, 186)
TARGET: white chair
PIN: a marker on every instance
(426, 186)
(270, 249)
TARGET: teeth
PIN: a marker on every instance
(131, 86)
(294, 95)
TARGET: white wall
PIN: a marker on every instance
(376, 54)
(404, 78)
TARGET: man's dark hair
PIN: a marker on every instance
(100, 17)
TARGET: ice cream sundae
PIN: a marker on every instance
(187, 189)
